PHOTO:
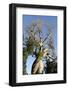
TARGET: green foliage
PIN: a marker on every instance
(25, 56)
(30, 46)
(39, 55)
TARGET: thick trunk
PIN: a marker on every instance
(37, 67)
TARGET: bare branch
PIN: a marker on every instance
(46, 38)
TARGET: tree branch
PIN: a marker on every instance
(46, 38)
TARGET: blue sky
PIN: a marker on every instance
(52, 20)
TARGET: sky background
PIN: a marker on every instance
(52, 20)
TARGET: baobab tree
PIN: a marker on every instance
(34, 44)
